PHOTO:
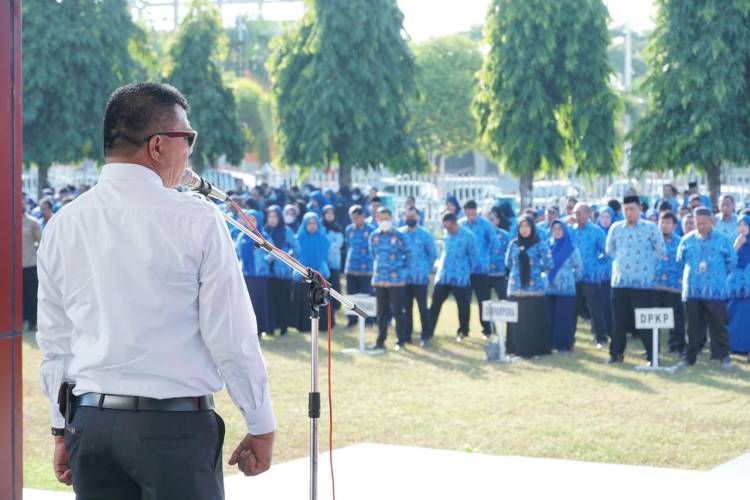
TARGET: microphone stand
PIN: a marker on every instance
(318, 296)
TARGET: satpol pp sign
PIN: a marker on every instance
(654, 318)
(503, 310)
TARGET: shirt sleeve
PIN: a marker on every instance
(54, 327)
(228, 327)
(609, 245)
(431, 250)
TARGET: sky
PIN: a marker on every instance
(423, 19)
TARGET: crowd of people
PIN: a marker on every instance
(557, 263)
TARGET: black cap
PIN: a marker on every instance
(692, 184)
(631, 199)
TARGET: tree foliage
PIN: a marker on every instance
(195, 72)
(544, 98)
(699, 92)
(446, 82)
(249, 57)
(342, 80)
(254, 109)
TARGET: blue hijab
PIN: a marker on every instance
(611, 219)
(454, 201)
(743, 254)
(260, 218)
(314, 247)
(278, 233)
(561, 249)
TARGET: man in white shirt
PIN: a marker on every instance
(143, 306)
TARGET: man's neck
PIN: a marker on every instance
(411, 229)
(726, 216)
(704, 236)
(667, 237)
(632, 224)
(359, 225)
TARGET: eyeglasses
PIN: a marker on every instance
(191, 136)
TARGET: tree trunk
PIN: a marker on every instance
(345, 176)
(525, 187)
(714, 183)
(42, 171)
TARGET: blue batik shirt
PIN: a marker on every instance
(255, 262)
(564, 284)
(590, 241)
(457, 259)
(334, 254)
(540, 262)
(708, 262)
(279, 269)
(669, 271)
(635, 253)
(739, 283)
(358, 258)
(484, 232)
(497, 252)
(390, 253)
(422, 253)
(727, 227)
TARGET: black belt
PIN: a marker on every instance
(140, 403)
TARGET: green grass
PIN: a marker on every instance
(571, 407)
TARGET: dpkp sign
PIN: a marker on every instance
(503, 310)
(654, 318)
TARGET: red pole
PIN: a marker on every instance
(11, 466)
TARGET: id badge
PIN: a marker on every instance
(702, 266)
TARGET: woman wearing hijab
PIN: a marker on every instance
(528, 260)
(739, 290)
(452, 205)
(561, 288)
(313, 253)
(605, 220)
(335, 235)
(281, 275)
(290, 215)
(256, 269)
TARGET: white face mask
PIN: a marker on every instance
(385, 225)
(289, 218)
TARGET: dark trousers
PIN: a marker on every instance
(624, 303)
(560, 316)
(281, 295)
(606, 297)
(30, 285)
(335, 280)
(591, 293)
(418, 293)
(462, 294)
(480, 285)
(146, 455)
(700, 313)
(672, 300)
(500, 285)
(356, 283)
(391, 301)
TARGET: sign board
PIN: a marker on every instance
(654, 318)
(365, 302)
(503, 310)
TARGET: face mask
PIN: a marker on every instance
(411, 222)
(385, 225)
(289, 218)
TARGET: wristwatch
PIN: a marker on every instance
(58, 432)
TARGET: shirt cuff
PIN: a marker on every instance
(58, 421)
(260, 420)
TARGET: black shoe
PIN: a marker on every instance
(615, 359)
(282, 332)
(376, 346)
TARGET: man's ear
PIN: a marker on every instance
(155, 149)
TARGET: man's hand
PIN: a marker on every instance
(60, 462)
(253, 454)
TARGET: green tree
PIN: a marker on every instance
(248, 56)
(254, 108)
(544, 99)
(446, 82)
(195, 53)
(342, 80)
(699, 93)
(73, 61)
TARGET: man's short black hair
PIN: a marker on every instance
(665, 206)
(669, 216)
(375, 199)
(471, 205)
(614, 205)
(449, 217)
(137, 110)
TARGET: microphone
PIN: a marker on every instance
(193, 181)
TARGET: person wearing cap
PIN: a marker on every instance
(668, 282)
(726, 220)
(485, 236)
(636, 246)
(694, 190)
(709, 259)
(590, 240)
(358, 268)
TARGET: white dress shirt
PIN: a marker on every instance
(141, 294)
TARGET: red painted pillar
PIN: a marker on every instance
(10, 250)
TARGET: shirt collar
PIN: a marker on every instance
(129, 172)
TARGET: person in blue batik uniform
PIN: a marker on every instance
(694, 190)
(551, 214)
(636, 247)
(606, 218)
(726, 220)
(313, 253)
(561, 288)
(485, 235)
(709, 259)
(390, 253)
(668, 282)
(281, 277)
(590, 240)
(739, 292)
(422, 253)
(528, 260)
(453, 276)
(256, 269)
(358, 259)
(498, 278)
(335, 235)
